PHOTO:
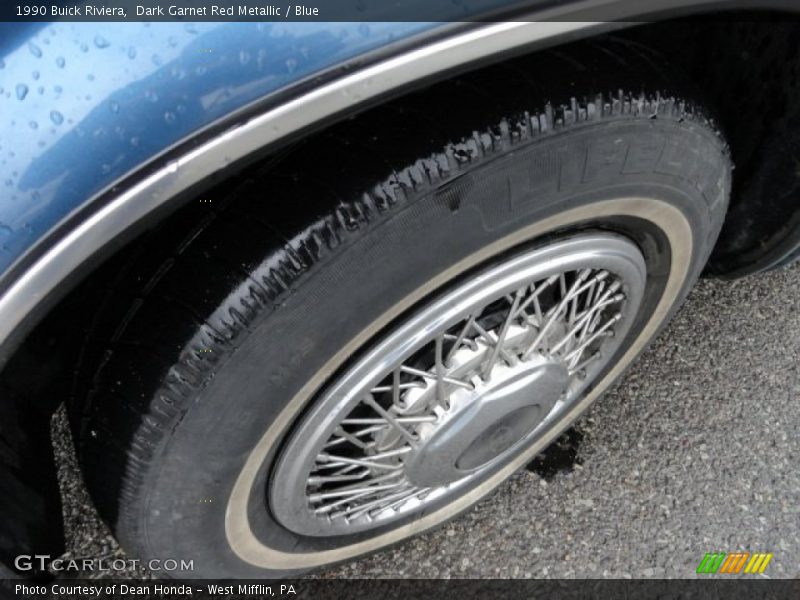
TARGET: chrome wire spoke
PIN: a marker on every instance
(356, 511)
(512, 312)
(369, 400)
(437, 377)
(460, 338)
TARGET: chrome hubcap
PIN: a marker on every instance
(460, 388)
(480, 424)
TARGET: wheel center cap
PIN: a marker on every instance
(480, 425)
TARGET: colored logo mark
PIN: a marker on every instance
(735, 563)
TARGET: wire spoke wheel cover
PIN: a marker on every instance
(459, 388)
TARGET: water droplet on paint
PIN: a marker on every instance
(35, 50)
(60, 62)
(56, 117)
(101, 42)
(22, 91)
(131, 52)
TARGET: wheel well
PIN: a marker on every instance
(747, 65)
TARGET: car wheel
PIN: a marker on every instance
(365, 339)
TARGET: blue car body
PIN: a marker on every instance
(82, 104)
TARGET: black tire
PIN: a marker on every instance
(211, 329)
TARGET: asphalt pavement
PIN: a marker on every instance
(695, 450)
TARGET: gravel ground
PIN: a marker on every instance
(695, 450)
